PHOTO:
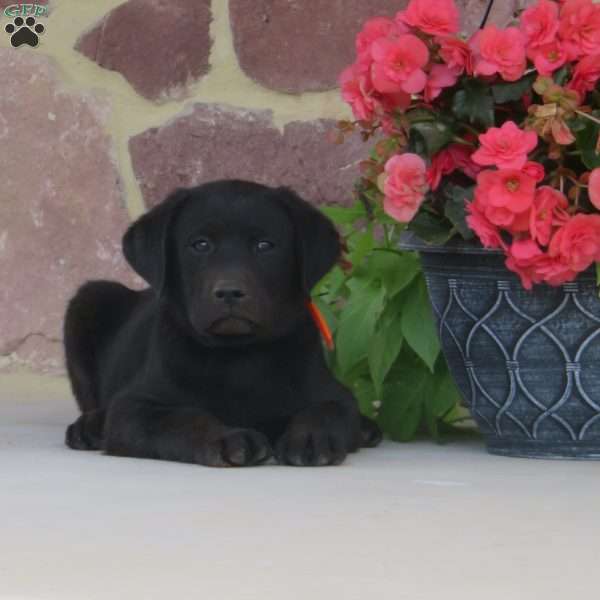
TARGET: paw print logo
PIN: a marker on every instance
(24, 32)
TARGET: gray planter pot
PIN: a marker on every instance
(527, 363)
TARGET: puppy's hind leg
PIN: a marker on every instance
(91, 318)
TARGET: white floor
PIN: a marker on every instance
(407, 522)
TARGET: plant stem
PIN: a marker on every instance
(386, 235)
(458, 140)
(487, 14)
(588, 116)
(392, 234)
(471, 129)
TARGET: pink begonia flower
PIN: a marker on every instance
(554, 271)
(506, 147)
(506, 197)
(487, 232)
(585, 75)
(577, 243)
(499, 51)
(435, 17)
(405, 186)
(539, 23)
(548, 58)
(456, 54)
(549, 211)
(448, 160)
(376, 28)
(356, 90)
(366, 103)
(440, 77)
(373, 30)
(398, 64)
(523, 258)
(579, 28)
(594, 188)
(535, 170)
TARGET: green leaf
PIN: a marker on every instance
(365, 394)
(513, 91)
(418, 325)
(360, 244)
(430, 228)
(417, 396)
(403, 403)
(343, 215)
(329, 287)
(429, 137)
(395, 270)
(474, 103)
(586, 140)
(455, 208)
(417, 115)
(445, 395)
(357, 324)
(359, 371)
(386, 344)
(560, 77)
(444, 398)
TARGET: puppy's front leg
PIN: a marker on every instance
(139, 426)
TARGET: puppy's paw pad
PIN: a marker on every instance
(302, 447)
(238, 448)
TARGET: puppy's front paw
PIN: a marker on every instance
(370, 433)
(305, 446)
(236, 448)
(86, 433)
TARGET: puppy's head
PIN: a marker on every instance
(236, 259)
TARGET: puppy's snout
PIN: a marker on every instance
(229, 292)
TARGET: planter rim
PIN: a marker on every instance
(411, 241)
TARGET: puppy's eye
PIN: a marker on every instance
(264, 246)
(201, 246)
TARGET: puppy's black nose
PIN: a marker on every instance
(228, 292)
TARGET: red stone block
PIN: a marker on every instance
(300, 45)
(61, 207)
(159, 46)
(213, 142)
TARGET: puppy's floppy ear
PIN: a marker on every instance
(317, 242)
(145, 243)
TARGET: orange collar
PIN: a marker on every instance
(321, 324)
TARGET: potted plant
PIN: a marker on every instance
(486, 154)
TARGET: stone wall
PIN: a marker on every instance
(123, 101)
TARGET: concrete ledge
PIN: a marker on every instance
(413, 522)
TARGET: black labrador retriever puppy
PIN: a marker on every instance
(219, 362)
